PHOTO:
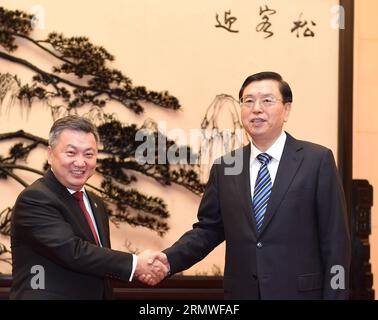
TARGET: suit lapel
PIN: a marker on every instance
(73, 206)
(288, 167)
(244, 188)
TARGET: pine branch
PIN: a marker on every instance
(5, 220)
(136, 208)
(4, 250)
(19, 151)
(20, 167)
(80, 58)
(11, 174)
(128, 97)
(160, 173)
(24, 135)
(38, 44)
(47, 77)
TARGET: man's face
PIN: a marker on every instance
(264, 123)
(73, 158)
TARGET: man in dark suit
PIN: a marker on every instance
(60, 231)
(282, 215)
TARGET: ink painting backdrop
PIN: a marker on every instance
(200, 51)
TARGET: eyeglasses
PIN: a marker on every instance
(264, 101)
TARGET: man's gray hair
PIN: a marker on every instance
(75, 123)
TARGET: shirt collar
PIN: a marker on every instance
(275, 150)
(73, 191)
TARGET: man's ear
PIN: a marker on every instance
(287, 107)
(49, 155)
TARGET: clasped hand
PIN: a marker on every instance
(152, 267)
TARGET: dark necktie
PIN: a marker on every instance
(263, 189)
(78, 195)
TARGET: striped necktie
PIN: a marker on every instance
(263, 189)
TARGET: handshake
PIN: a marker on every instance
(152, 267)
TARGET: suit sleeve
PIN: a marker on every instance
(206, 233)
(38, 222)
(334, 234)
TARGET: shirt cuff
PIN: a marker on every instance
(135, 262)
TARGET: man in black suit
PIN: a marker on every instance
(60, 231)
(283, 215)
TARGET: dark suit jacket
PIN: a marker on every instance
(48, 229)
(304, 233)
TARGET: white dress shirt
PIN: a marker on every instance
(275, 151)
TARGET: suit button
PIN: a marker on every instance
(254, 276)
(259, 245)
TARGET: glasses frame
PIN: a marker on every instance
(261, 104)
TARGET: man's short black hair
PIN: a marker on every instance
(287, 95)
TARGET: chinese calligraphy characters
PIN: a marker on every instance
(301, 27)
(227, 23)
(299, 24)
(265, 24)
